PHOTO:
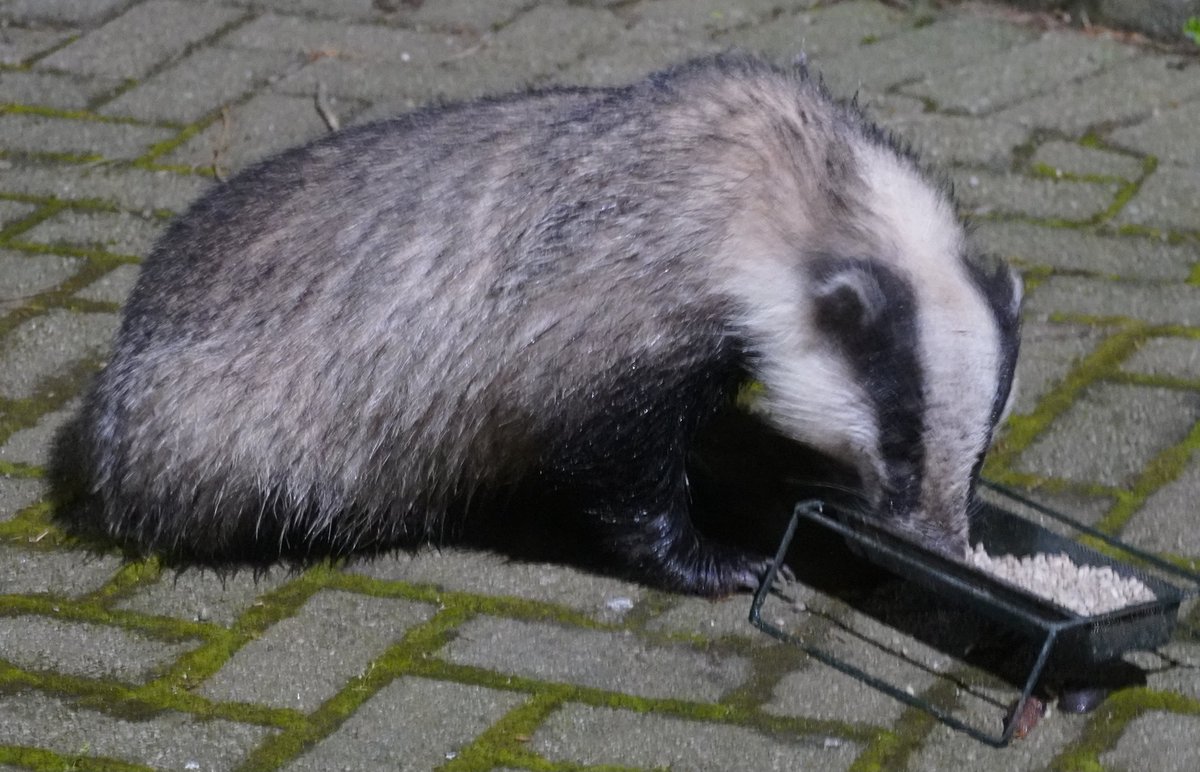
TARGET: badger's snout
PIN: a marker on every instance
(931, 534)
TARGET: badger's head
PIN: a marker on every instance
(898, 357)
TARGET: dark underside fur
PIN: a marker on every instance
(610, 491)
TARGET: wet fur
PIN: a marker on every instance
(364, 342)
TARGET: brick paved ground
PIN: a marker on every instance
(1078, 154)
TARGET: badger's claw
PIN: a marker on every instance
(751, 571)
(708, 568)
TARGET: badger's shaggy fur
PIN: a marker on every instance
(354, 344)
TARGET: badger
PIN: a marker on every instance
(360, 343)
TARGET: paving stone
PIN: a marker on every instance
(20, 45)
(43, 346)
(995, 81)
(1073, 158)
(720, 618)
(944, 46)
(983, 192)
(947, 139)
(353, 41)
(461, 79)
(1180, 673)
(203, 595)
(161, 29)
(886, 107)
(1111, 433)
(411, 724)
(630, 62)
(1072, 249)
(486, 573)
(83, 12)
(1166, 134)
(819, 33)
(1049, 352)
(470, 15)
(32, 445)
(134, 189)
(611, 661)
(35, 134)
(1154, 303)
(1121, 93)
(201, 83)
(342, 9)
(1166, 522)
(16, 494)
(112, 287)
(697, 17)
(65, 92)
(168, 741)
(1169, 199)
(540, 43)
(502, 65)
(586, 735)
(1154, 741)
(1170, 357)
(1085, 509)
(947, 750)
(517, 57)
(39, 643)
(11, 211)
(822, 692)
(306, 659)
(68, 574)
(121, 233)
(27, 275)
(266, 124)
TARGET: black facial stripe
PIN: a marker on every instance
(881, 347)
(999, 288)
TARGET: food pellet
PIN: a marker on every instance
(1086, 590)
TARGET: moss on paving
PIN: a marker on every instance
(42, 760)
(1104, 730)
(1021, 431)
(414, 655)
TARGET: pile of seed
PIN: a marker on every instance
(1086, 590)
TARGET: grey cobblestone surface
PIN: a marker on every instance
(303, 660)
(411, 724)
(84, 649)
(1074, 152)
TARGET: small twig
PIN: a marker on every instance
(324, 110)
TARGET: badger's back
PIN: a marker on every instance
(343, 340)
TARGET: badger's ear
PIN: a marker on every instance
(848, 294)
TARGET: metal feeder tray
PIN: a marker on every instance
(1064, 633)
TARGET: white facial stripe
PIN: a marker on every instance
(959, 344)
(814, 399)
(809, 392)
(912, 220)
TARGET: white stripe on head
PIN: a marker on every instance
(810, 393)
(960, 347)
